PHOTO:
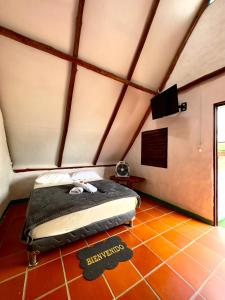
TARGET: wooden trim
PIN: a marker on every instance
(137, 54)
(215, 162)
(147, 113)
(215, 167)
(183, 44)
(201, 79)
(73, 73)
(50, 50)
(109, 125)
(170, 69)
(62, 168)
(111, 75)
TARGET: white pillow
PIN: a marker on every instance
(86, 176)
(54, 178)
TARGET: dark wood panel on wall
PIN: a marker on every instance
(154, 144)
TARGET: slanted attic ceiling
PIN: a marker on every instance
(35, 86)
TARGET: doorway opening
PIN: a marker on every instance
(219, 155)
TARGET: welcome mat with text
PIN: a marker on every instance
(103, 255)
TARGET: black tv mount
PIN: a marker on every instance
(182, 106)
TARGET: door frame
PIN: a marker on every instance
(215, 162)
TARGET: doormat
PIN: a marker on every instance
(103, 255)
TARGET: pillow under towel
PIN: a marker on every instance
(54, 178)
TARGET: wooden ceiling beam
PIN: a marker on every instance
(73, 72)
(60, 54)
(170, 69)
(180, 89)
(137, 131)
(137, 54)
(201, 79)
(63, 168)
(183, 44)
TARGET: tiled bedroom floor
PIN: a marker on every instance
(175, 257)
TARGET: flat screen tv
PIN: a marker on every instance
(165, 103)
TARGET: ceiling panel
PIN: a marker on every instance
(205, 50)
(32, 98)
(170, 25)
(131, 112)
(48, 21)
(111, 31)
(93, 101)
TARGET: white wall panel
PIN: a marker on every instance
(188, 180)
(130, 114)
(168, 29)
(93, 101)
(48, 21)
(22, 183)
(32, 97)
(5, 168)
(111, 31)
(205, 50)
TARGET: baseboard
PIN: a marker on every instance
(177, 208)
(12, 202)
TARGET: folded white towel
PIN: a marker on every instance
(76, 190)
(86, 186)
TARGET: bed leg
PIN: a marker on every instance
(130, 223)
(32, 258)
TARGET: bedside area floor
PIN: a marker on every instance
(175, 257)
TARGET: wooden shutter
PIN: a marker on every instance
(154, 148)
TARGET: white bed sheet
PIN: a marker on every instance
(73, 221)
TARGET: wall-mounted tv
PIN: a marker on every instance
(165, 103)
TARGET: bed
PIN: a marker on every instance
(55, 218)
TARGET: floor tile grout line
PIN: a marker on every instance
(50, 291)
(25, 284)
(151, 288)
(12, 277)
(75, 278)
(209, 277)
(157, 235)
(42, 264)
(179, 275)
(109, 287)
(207, 269)
(130, 288)
(166, 262)
(64, 274)
(163, 261)
(154, 219)
(73, 251)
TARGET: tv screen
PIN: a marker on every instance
(165, 103)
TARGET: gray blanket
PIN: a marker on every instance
(48, 203)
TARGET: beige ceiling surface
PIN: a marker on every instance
(93, 101)
(168, 29)
(205, 51)
(34, 85)
(32, 99)
(110, 32)
(134, 106)
(48, 21)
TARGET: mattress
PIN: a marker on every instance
(79, 219)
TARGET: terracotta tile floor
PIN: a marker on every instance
(175, 257)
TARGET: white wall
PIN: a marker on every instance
(22, 183)
(188, 180)
(5, 168)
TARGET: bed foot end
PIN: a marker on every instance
(32, 258)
